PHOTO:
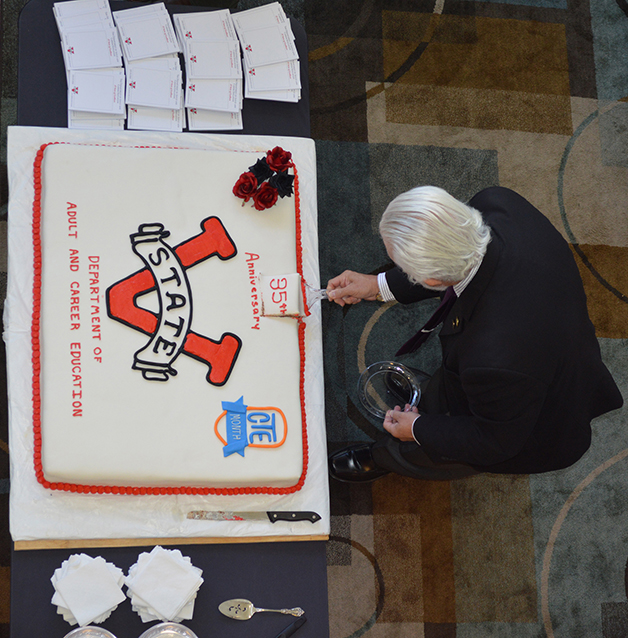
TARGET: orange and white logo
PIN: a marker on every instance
(240, 426)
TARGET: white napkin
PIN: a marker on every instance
(162, 585)
(87, 589)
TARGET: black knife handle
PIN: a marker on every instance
(273, 517)
(291, 629)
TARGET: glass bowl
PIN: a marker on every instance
(89, 631)
(169, 630)
(385, 384)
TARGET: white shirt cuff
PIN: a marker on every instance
(384, 290)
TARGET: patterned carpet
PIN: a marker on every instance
(463, 94)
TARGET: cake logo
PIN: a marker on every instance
(240, 426)
(170, 329)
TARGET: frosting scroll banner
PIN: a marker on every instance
(175, 303)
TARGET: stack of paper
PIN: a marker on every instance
(154, 93)
(211, 50)
(162, 585)
(150, 95)
(271, 60)
(87, 589)
(93, 62)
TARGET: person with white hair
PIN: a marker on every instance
(521, 376)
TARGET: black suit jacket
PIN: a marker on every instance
(522, 375)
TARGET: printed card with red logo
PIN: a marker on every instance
(79, 7)
(205, 25)
(163, 63)
(91, 49)
(265, 16)
(274, 77)
(268, 45)
(153, 87)
(214, 95)
(205, 120)
(95, 121)
(288, 95)
(93, 18)
(149, 118)
(146, 34)
(213, 60)
(97, 91)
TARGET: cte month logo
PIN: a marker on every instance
(240, 426)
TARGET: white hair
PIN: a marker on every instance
(431, 235)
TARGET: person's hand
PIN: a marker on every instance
(351, 287)
(399, 422)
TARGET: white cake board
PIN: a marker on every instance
(37, 514)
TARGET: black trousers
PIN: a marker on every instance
(407, 457)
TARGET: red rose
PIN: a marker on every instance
(265, 197)
(278, 159)
(246, 186)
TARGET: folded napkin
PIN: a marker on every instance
(87, 589)
(162, 585)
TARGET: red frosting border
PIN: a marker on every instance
(36, 363)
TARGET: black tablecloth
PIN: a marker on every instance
(272, 575)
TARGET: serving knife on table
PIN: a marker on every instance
(291, 628)
(273, 517)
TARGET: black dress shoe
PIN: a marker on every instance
(355, 464)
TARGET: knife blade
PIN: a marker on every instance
(273, 517)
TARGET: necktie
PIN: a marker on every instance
(437, 318)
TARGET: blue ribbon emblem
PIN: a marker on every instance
(237, 438)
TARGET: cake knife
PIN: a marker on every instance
(291, 628)
(273, 517)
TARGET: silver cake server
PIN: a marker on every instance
(314, 294)
(242, 609)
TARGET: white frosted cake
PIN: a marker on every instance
(154, 369)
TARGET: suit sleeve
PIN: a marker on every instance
(504, 407)
(404, 290)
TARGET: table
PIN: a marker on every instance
(271, 575)
(274, 574)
